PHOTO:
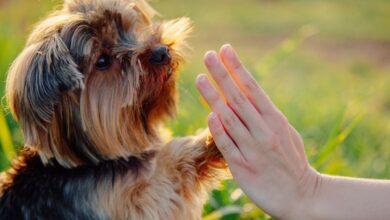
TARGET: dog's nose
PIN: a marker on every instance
(160, 55)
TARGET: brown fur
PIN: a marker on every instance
(78, 117)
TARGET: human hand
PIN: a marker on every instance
(264, 152)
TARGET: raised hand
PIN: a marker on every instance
(265, 153)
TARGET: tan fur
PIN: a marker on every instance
(174, 190)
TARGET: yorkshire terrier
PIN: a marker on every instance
(90, 91)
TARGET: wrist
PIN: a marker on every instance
(309, 187)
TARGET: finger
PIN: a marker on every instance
(227, 147)
(238, 102)
(246, 82)
(234, 127)
(275, 120)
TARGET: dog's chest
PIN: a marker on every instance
(157, 198)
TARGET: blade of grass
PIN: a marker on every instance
(222, 212)
(5, 138)
(339, 133)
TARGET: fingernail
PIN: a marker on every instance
(210, 57)
(202, 80)
(228, 46)
(228, 49)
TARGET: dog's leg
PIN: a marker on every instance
(194, 162)
(209, 163)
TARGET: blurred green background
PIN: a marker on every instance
(324, 63)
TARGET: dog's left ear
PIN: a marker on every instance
(36, 80)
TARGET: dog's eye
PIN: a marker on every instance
(104, 62)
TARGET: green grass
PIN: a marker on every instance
(322, 62)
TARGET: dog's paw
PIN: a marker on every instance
(212, 155)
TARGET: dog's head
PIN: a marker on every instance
(95, 80)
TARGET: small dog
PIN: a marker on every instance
(90, 91)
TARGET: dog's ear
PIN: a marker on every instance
(175, 33)
(36, 80)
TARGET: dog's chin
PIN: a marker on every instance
(167, 73)
(162, 102)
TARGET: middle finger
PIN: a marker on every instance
(239, 102)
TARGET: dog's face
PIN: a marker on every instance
(95, 80)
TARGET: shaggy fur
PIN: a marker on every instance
(93, 145)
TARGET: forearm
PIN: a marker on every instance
(349, 198)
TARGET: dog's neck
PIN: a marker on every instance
(76, 149)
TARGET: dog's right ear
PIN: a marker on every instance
(36, 80)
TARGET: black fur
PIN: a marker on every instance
(57, 193)
(51, 72)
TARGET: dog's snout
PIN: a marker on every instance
(160, 55)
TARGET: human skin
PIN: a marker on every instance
(266, 154)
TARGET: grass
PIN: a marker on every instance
(322, 62)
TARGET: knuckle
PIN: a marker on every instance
(273, 142)
(218, 132)
(283, 121)
(237, 159)
(238, 99)
(223, 75)
(229, 121)
(213, 97)
(237, 66)
(251, 84)
(226, 148)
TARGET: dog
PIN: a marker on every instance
(91, 91)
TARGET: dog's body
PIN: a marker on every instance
(173, 186)
(90, 91)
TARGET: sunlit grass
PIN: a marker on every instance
(340, 107)
(6, 142)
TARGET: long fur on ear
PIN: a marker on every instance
(36, 80)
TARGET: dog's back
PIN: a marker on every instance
(31, 190)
